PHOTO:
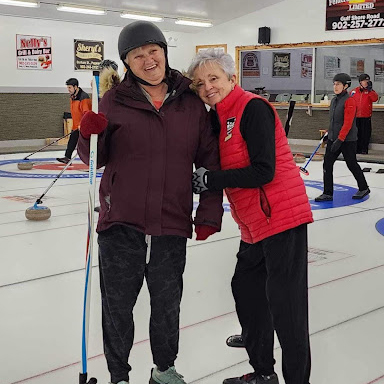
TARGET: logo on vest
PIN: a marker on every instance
(230, 125)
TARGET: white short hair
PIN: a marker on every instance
(224, 60)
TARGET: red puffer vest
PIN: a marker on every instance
(279, 205)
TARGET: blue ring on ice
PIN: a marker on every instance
(380, 227)
(342, 196)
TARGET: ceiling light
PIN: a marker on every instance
(81, 9)
(194, 23)
(30, 4)
(139, 16)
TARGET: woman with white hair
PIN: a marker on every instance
(269, 202)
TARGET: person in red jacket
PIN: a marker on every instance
(152, 130)
(342, 138)
(269, 203)
(80, 103)
(364, 96)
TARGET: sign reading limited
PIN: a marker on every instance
(354, 14)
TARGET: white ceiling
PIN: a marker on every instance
(217, 11)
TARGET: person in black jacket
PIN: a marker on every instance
(342, 138)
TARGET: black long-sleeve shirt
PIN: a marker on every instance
(257, 127)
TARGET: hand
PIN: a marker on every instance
(369, 86)
(336, 145)
(199, 180)
(204, 231)
(92, 123)
(325, 137)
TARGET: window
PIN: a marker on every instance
(280, 75)
(305, 73)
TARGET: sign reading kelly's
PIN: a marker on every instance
(354, 14)
(34, 52)
(88, 55)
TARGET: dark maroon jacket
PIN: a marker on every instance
(149, 156)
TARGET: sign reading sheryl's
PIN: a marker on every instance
(354, 14)
(88, 54)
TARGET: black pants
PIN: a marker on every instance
(72, 142)
(348, 149)
(122, 257)
(271, 293)
(364, 131)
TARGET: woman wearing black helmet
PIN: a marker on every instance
(342, 138)
(154, 129)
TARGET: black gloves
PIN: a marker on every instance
(369, 87)
(199, 180)
(336, 145)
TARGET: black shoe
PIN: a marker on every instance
(64, 160)
(360, 194)
(235, 341)
(97, 209)
(252, 378)
(324, 197)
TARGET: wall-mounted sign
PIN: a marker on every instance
(250, 64)
(88, 55)
(354, 14)
(379, 70)
(357, 67)
(34, 52)
(281, 66)
(306, 66)
(331, 66)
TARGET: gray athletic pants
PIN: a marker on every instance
(123, 266)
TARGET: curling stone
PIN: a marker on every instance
(25, 166)
(299, 158)
(38, 213)
(318, 157)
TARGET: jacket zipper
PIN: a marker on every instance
(264, 204)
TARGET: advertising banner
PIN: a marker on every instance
(34, 52)
(281, 65)
(306, 66)
(357, 67)
(88, 55)
(250, 64)
(331, 66)
(379, 70)
(354, 14)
